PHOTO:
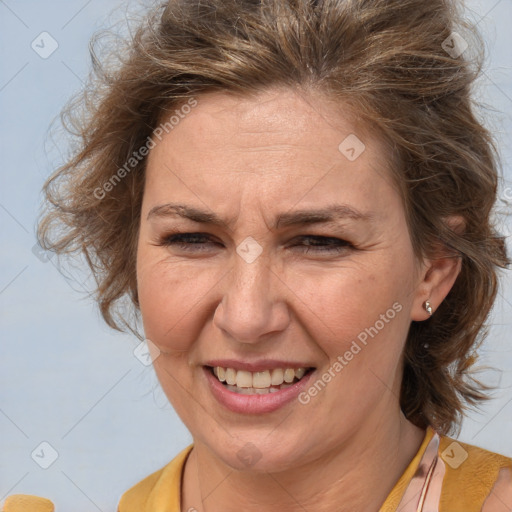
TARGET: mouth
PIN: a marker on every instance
(263, 382)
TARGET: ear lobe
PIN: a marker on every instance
(438, 276)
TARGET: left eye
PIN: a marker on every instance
(304, 243)
(322, 243)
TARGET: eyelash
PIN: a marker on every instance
(331, 244)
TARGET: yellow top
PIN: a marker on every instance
(469, 476)
(27, 503)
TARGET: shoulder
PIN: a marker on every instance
(26, 502)
(162, 486)
(471, 474)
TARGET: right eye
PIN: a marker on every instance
(195, 242)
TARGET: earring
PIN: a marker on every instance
(428, 307)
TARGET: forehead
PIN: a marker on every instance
(274, 117)
(277, 145)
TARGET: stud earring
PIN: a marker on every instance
(428, 307)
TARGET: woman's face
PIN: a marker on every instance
(271, 239)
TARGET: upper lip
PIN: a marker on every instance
(256, 366)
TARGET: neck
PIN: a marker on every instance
(357, 475)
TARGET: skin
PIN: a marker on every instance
(249, 159)
(500, 497)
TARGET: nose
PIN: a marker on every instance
(253, 304)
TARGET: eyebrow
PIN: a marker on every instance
(329, 214)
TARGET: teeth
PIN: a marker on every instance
(243, 379)
(277, 377)
(261, 379)
(299, 372)
(256, 391)
(231, 376)
(250, 383)
(289, 375)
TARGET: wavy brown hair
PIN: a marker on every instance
(388, 60)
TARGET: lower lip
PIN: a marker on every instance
(254, 404)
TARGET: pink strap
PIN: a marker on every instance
(423, 493)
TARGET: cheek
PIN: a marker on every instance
(346, 301)
(359, 319)
(173, 301)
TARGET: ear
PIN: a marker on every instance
(437, 276)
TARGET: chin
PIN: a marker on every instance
(257, 454)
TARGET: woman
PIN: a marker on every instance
(296, 197)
